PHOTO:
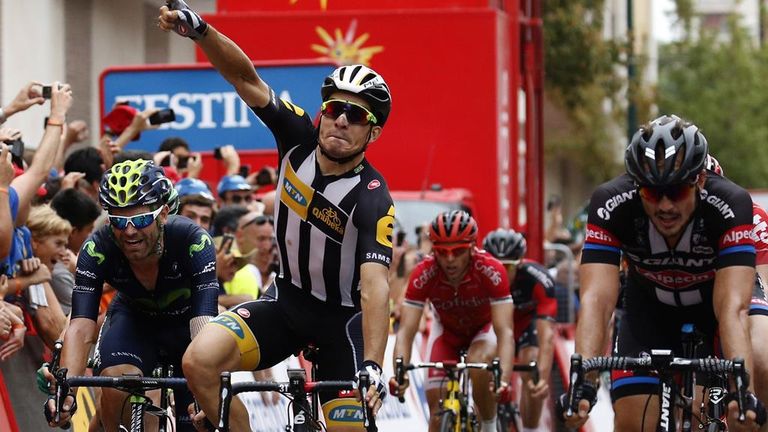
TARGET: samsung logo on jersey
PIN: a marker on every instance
(613, 202)
(718, 203)
(377, 256)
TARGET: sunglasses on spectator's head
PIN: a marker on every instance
(454, 250)
(138, 221)
(675, 193)
(356, 114)
(237, 199)
(258, 220)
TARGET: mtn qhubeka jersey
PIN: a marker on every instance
(718, 235)
(326, 226)
(465, 309)
(186, 282)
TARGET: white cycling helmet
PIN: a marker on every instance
(364, 82)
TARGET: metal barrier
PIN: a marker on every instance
(567, 256)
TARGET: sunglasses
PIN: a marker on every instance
(675, 193)
(258, 220)
(237, 199)
(451, 250)
(138, 221)
(356, 114)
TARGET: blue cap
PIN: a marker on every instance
(232, 183)
(192, 186)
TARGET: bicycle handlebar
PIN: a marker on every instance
(658, 360)
(128, 383)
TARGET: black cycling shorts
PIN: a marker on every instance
(286, 320)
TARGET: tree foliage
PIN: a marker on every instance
(580, 77)
(719, 84)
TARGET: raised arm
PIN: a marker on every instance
(231, 62)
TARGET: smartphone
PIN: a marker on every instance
(400, 238)
(226, 243)
(163, 116)
(17, 152)
(46, 92)
(244, 170)
(217, 153)
(182, 162)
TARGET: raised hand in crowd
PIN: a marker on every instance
(9, 134)
(15, 335)
(70, 180)
(139, 124)
(231, 159)
(6, 166)
(108, 149)
(61, 102)
(30, 94)
(194, 165)
(76, 132)
(33, 271)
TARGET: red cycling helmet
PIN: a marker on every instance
(455, 226)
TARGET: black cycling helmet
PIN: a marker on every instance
(505, 244)
(136, 183)
(668, 150)
(363, 81)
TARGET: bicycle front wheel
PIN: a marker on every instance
(447, 421)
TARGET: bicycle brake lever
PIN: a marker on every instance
(576, 377)
(400, 374)
(741, 387)
(369, 422)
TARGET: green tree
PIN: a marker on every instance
(719, 84)
(581, 74)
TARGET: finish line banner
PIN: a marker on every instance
(209, 113)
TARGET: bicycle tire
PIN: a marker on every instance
(447, 421)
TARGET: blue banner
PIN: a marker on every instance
(209, 113)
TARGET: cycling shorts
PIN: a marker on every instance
(284, 321)
(442, 346)
(129, 337)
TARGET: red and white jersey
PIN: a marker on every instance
(760, 234)
(465, 309)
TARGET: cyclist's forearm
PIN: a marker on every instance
(546, 336)
(375, 305)
(77, 342)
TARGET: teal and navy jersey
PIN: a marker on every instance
(186, 282)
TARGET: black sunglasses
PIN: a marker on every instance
(259, 220)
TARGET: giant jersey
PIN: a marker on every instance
(677, 276)
(465, 309)
(326, 226)
(186, 281)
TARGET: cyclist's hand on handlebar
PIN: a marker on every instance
(45, 379)
(503, 393)
(586, 394)
(755, 414)
(68, 408)
(538, 391)
(377, 390)
(398, 390)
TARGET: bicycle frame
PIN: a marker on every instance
(304, 416)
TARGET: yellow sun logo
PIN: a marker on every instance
(344, 49)
(323, 3)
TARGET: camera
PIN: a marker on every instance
(163, 116)
(47, 91)
(217, 153)
(244, 170)
(17, 151)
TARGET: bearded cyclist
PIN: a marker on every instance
(686, 235)
(533, 292)
(164, 270)
(469, 293)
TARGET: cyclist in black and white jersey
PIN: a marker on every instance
(691, 258)
(333, 222)
(164, 270)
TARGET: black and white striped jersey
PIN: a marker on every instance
(326, 226)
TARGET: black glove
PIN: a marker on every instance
(49, 414)
(376, 377)
(190, 24)
(586, 391)
(753, 404)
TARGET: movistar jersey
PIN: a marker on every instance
(326, 226)
(717, 236)
(186, 281)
